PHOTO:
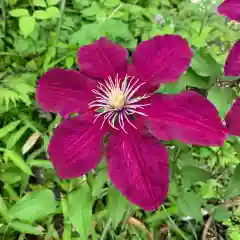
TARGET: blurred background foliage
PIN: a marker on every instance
(36, 35)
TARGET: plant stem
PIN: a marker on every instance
(62, 8)
(174, 225)
(106, 228)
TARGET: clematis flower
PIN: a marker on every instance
(230, 9)
(232, 68)
(115, 98)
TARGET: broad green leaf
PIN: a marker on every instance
(53, 12)
(27, 25)
(222, 98)
(26, 228)
(52, 2)
(34, 206)
(174, 87)
(233, 188)
(109, 29)
(98, 183)
(80, 210)
(190, 205)
(191, 79)
(14, 138)
(8, 128)
(39, 3)
(41, 14)
(19, 12)
(86, 35)
(205, 65)
(221, 214)
(192, 174)
(18, 161)
(117, 205)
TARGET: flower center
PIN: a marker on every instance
(116, 99)
(116, 102)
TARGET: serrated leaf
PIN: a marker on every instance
(117, 205)
(9, 128)
(80, 210)
(34, 205)
(18, 161)
(27, 25)
(19, 12)
(190, 205)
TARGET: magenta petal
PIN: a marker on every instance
(76, 147)
(233, 119)
(138, 167)
(230, 9)
(103, 58)
(232, 66)
(64, 91)
(188, 117)
(162, 59)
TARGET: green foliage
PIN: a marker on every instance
(37, 35)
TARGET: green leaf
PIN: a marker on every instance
(174, 87)
(80, 210)
(190, 205)
(14, 138)
(40, 163)
(191, 79)
(52, 2)
(233, 188)
(109, 29)
(86, 35)
(222, 98)
(3, 208)
(205, 65)
(53, 12)
(117, 205)
(221, 214)
(26, 228)
(9, 128)
(18, 161)
(99, 181)
(41, 14)
(19, 12)
(192, 174)
(34, 205)
(27, 25)
(39, 3)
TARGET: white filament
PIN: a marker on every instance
(128, 86)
